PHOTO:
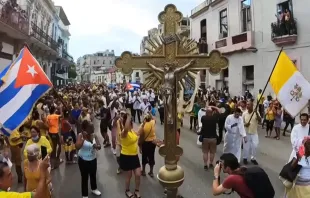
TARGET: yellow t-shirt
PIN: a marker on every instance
(4, 194)
(42, 142)
(269, 114)
(15, 134)
(252, 129)
(149, 131)
(232, 105)
(262, 99)
(130, 144)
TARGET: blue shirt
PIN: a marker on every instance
(87, 151)
(76, 113)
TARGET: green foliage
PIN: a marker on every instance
(72, 72)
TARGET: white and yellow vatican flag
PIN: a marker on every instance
(290, 86)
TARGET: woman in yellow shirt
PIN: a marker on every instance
(36, 138)
(32, 171)
(16, 145)
(147, 147)
(270, 116)
(129, 159)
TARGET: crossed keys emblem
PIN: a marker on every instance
(296, 93)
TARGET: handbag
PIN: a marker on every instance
(289, 174)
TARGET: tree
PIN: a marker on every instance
(72, 72)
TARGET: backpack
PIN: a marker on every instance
(258, 181)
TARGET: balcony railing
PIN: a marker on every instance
(14, 16)
(284, 33)
(67, 56)
(39, 34)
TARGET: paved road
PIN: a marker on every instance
(272, 155)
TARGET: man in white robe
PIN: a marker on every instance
(235, 134)
(299, 134)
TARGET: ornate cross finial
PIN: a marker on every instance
(170, 17)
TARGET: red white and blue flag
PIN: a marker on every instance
(24, 83)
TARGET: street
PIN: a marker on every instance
(272, 155)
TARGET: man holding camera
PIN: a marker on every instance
(234, 182)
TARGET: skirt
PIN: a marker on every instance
(298, 191)
(129, 162)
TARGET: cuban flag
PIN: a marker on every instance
(25, 83)
(3, 74)
(132, 86)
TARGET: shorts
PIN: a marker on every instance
(209, 145)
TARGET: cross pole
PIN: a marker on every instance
(171, 52)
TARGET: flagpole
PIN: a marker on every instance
(257, 103)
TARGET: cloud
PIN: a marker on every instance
(114, 22)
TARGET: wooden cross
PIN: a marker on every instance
(171, 50)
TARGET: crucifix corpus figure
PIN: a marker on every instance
(170, 72)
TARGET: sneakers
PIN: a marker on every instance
(96, 192)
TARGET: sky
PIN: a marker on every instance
(97, 25)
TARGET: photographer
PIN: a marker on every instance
(230, 165)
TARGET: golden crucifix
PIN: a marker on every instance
(170, 62)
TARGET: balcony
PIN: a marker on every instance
(66, 56)
(284, 33)
(204, 6)
(13, 20)
(40, 35)
(235, 43)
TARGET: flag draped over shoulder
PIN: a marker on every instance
(3, 73)
(25, 83)
(290, 86)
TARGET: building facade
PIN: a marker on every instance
(251, 33)
(14, 30)
(99, 68)
(35, 22)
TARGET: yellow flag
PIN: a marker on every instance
(291, 88)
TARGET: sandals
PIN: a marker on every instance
(136, 194)
(129, 194)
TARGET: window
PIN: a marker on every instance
(203, 29)
(249, 72)
(246, 21)
(137, 74)
(225, 73)
(103, 62)
(223, 24)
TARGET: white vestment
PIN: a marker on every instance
(234, 135)
(298, 134)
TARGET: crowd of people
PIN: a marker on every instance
(65, 118)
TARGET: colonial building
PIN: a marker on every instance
(251, 33)
(37, 23)
(14, 30)
(98, 67)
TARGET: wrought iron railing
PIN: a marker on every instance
(67, 56)
(279, 29)
(42, 36)
(14, 16)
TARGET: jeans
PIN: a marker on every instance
(88, 169)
